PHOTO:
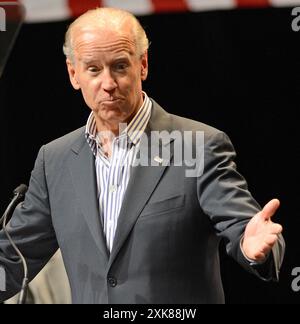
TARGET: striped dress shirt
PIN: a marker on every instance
(113, 173)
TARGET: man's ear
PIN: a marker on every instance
(144, 67)
(72, 74)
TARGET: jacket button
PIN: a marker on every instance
(112, 281)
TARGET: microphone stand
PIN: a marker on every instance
(19, 194)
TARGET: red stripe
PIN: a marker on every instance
(169, 5)
(12, 14)
(253, 3)
(79, 7)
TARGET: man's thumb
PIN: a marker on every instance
(270, 209)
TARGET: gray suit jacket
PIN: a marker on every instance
(166, 243)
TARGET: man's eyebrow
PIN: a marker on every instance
(94, 61)
(121, 58)
(88, 61)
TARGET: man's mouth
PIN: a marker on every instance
(110, 100)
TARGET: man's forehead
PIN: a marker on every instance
(91, 54)
(99, 41)
(89, 58)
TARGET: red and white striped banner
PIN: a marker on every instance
(54, 10)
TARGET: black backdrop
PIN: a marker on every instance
(236, 70)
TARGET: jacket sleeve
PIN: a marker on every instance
(31, 229)
(224, 196)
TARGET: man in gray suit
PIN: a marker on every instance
(133, 224)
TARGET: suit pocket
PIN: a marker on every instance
(163, 206)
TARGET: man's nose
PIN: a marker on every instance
(108, 81)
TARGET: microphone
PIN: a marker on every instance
(19, 194)
(21, 190)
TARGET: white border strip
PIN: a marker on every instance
(137, 7)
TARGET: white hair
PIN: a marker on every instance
(104, 18)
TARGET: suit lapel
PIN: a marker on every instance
(142, 183)
(82, 168)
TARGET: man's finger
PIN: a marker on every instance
(276, 229)
(270, 240)
(270, 209)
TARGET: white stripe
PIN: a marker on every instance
(113, 176)
(44, 11)
(199, 5)
(137, 7)
(284, 3)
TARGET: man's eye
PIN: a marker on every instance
(121, 66)
(93, 69)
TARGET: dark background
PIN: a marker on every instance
(236, 70)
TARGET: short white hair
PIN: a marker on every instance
(104, 18)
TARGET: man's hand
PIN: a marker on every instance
(261, 233)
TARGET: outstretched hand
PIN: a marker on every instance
(261, 233)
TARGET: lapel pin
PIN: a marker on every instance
(158, 159)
